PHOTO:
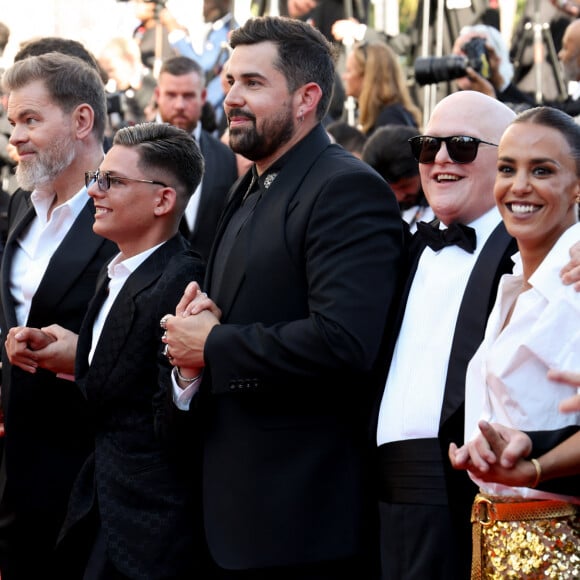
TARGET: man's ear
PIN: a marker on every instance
(308, 96)
(84, 119)
(165, 201)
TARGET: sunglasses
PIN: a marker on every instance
(104, 179)
(461, 148)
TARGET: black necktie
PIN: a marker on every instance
(455, 234)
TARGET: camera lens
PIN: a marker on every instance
(433, 69)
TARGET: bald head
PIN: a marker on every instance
(463, 192)
(472, 113)
(569, 54)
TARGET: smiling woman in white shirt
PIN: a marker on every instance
(534, 326)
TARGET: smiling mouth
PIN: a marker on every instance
(443, 177)
(523, 208)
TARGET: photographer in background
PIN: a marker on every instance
(496, 81)
(146, 34)
(213, 52)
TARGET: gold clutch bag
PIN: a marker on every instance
(525, 539)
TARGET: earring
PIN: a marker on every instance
(300, 116)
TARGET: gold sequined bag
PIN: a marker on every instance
(525, 539)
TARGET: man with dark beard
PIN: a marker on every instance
(301, 278)
(57, 110)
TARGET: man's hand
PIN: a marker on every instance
(479, 83)
(186, 332)
(194, 301)
(59, 354)
(22, 346)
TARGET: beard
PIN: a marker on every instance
(257, 144)
(47, 164)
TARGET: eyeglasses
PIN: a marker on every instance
(104, 179)
(461, 148)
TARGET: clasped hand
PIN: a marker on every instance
(187, 331)
(52, 348)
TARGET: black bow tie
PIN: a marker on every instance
(455, 234)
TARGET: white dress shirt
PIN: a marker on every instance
(119, 270)
(37, 244)
(413, 396)
(506, 379)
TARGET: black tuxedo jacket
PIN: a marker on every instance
(219, 175)
(48, 432)
(286, 392)
(478, 299)
(144, 496)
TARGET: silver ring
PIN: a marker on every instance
(163, 321)
(166, 352)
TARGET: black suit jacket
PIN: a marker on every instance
(48, 431)
(286, 392)
(144, 492)
(478, 299)
(219, 175)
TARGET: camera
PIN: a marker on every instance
(433, 69)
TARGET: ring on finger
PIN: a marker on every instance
(163, 321)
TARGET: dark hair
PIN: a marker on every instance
(388, 152)
(556, 119)
(304, 54)
(347, 136)
(181, 65)
(69, 81)
(55, 44)
(168, 151)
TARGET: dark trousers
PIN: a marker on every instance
(348, 569)
(417, 536)
(418, 543)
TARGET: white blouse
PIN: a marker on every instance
(506, 379)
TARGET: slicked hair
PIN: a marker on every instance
(69, 81)
(304, 54)
(167, 151)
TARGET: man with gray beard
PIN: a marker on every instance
(57, 110)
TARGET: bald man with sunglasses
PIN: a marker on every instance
(445, 303)
(455, 263)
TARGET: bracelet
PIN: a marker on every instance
(185, 379)
(538, 467)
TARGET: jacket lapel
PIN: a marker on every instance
(67, 263)
(119, 322)
(477, 302)
(21, 220)
(85, 334)
(274, 204)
